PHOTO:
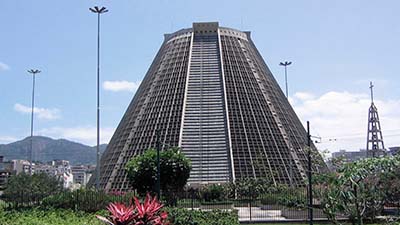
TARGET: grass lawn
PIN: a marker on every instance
(301, 223)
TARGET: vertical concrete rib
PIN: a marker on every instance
(186, 88)
(204, 132)
(232, 168)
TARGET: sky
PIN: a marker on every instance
(337, 48)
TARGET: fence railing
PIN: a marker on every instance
(275, 206)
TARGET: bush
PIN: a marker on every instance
(87, 200)
(213, 193)
(47, 217)
(27, 190)
(269, 199)
(293, 200)
(196, 217)
(250, 188)
(359, 190)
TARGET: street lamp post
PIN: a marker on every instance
(158, 146)
(99, 11)
(310, 195)
(33, 72)
(285, 64)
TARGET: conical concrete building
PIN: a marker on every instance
(209, 92)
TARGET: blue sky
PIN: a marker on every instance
(336, 47)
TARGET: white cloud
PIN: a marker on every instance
(343, 116)
(7, 139)
(4, 66)
(86, 134)
(121, 85)
(42, 113)
(292, 101)
(303, 96)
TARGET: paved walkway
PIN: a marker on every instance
(258, 214)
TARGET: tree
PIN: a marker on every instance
(26, 188)
(174, 172)
(360, 189)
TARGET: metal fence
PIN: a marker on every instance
(289, 205)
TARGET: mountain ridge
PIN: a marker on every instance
(47, 149)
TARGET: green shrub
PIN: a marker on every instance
(213, 193)
(197, 217)
(27, 190)
(293, 201)
(270, 199)
(359, 190)
(87, 200)
(47, 217)
(69, 217)
(250, 188)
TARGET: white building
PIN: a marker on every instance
(20, 165)
(58, 168)
(81, 175)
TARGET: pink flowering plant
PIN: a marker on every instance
(136, 213)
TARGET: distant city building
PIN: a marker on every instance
(6, 171)
(71, 176)
(81, 175)
(45, 168)
(58, 168)
(22, 166)
(394, 150)
(209, 92)
(352, 156)
(63, 170)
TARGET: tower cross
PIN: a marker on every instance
(371, 86)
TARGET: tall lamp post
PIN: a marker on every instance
(310, 194)
(285, 64)
(33, 72)
(99, 11)
(158, 146)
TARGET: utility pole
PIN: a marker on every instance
(310, 203)
(285, 64)
(33, 72)
(99, 11)
(158, 146)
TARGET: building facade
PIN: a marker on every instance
(350, 156)
(57, 168)
(81, 175)
(209, 92)
(22, 166)
(6, 170)
(394, 150)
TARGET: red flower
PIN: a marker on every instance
(120, 214)
(147, 213)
